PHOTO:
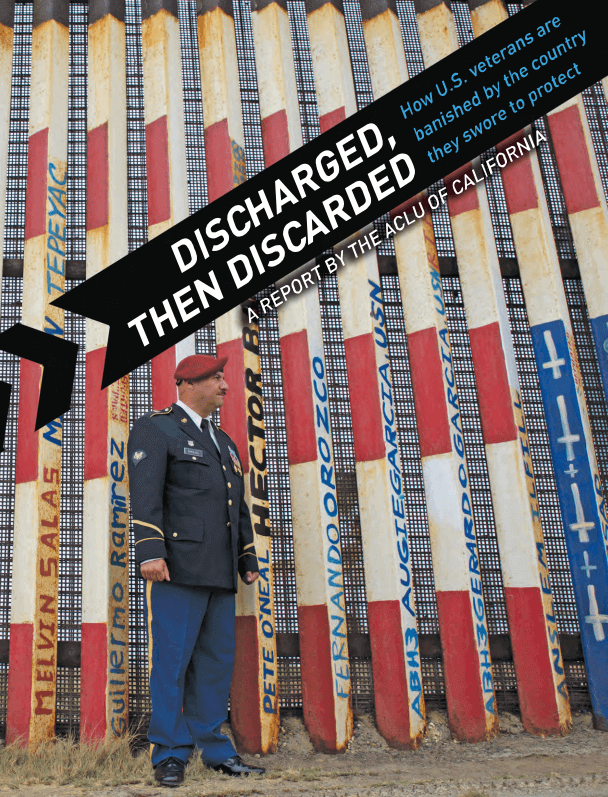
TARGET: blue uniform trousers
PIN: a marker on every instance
(191, 657)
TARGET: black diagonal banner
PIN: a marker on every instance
(344, 179)
(57, 357)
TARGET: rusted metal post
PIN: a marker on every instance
(463, 629)
(7, 18)
(388, 580)
(165, 160)
(104, 703)
(577, 477)
(254, 701)
(32, 685)
(587, 213)
(317, 551)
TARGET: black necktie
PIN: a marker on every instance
(207, 432)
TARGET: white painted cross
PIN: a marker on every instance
(571, 471)
(594, 617)
(587, 567)
(554, 361)
(581, 526)
(568, 437)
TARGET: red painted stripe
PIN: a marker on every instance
(95, 417)
(518, 179)
(317, 677)
(233, 414)
(533, 663)
(573, 159)
(218, 152)
(157, 165)
(19, 694)
(461, 666)
(164, 391)
(366, 414)
(329, 120)
(275, 137)
(429, 394)
(93, 681)
(26, 466)
(390, 678)
(466, 200)
(495, 405)
(98, 206)
(245, 695)
(299, 402)
(35, 197)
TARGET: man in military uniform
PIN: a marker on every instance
(193, 536)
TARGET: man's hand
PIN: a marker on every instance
(155, 570)
(250, 577)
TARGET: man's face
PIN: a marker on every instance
(206, 395)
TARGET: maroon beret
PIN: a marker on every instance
(199, 366)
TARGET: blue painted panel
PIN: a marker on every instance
(582, 505)
(599, 327)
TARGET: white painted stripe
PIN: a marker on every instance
(163, 93)
(218, 59)
(480, 276)
(443, 502)
(118, 243)
(437, 34)
(6, 68)
(230, 325)
(25, 549)
(488, 15)
(269, 60)
(176, 133)
(539, 267)
(419, 304)
(49, 83)
(275, 68)
(476, 264)
(294, 314)
(591, 228)
(157, 229)
(353, 285)
(514, 527)
(308, 531)
(95, 550)
(331, 61)
(34, 255)
(385, 53)
(185, 348)
(157, 52)
(378, 533)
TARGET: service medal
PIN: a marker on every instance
(236, 465)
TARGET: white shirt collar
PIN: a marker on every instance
(192, 413)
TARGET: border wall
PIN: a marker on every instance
(472, 398)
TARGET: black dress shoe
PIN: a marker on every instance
(236, 767)
(170, 772)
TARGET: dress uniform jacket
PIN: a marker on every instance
(187, 501)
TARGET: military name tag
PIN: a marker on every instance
(193, 452)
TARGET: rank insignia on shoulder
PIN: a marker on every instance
(184, 420)
(166, 411)
(236, 465)
(190, 443)
(138, 456)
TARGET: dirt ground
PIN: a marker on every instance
(514, 765)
